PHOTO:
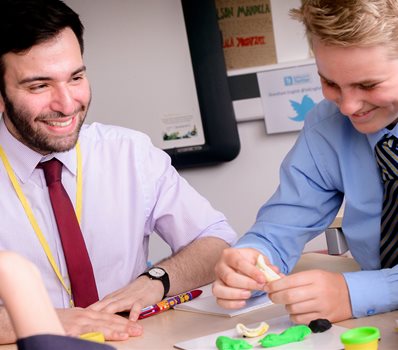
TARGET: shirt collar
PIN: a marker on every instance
(24, 160)
(377, 136)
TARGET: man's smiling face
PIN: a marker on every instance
(47, 94)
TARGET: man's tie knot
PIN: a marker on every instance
(387, 157)
(52, 170)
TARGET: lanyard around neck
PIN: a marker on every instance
(31, 217)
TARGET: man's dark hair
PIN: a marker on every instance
(25, 23)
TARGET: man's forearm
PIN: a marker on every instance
(7, 334)
(194, 265)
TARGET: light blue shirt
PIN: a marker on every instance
(130, 190)
(330, 161)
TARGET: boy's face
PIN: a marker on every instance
(363, 82)
(47, 94)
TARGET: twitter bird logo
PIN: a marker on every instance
(302, 108)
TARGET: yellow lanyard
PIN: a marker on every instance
(31, 217)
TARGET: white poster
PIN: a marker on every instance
(182, 130)
(287, 95)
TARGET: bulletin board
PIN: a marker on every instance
(247, 31)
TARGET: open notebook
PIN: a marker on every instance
(207, 304)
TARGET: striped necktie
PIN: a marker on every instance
(387, 159)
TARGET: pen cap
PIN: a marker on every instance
(195, 293)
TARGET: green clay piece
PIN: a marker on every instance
(226, 343)
(290, 335)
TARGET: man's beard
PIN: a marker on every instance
(35, 139)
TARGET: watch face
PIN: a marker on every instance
(156, 272)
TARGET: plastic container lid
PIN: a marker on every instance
(360, 335)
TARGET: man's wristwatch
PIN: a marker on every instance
(158, 274)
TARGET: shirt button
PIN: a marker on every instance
(371, 312)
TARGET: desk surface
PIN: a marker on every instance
(164, 330)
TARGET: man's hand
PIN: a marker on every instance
(312, 294)
(132, 298)
(77, 321)
(191, 267)
(236, 276)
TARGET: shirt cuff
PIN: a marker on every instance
(369, 292)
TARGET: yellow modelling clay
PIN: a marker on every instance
(270, 275)
(97, 337)
(252, 332)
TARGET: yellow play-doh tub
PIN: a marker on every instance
(361, 338)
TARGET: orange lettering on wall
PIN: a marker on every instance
(228, 42)
(250, 41)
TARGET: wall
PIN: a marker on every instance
(237, 188)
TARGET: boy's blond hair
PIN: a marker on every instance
(350, 22)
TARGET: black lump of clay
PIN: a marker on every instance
(320, 325)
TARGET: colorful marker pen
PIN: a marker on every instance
(169, 303)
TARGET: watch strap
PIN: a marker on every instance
(164, 279)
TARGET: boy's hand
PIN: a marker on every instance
(236, 276)
(312, 294)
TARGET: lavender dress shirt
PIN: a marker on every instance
(130, 190)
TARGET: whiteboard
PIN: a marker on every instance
(144, 75)
(137, 56)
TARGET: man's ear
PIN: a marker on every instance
(1, 103)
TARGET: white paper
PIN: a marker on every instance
(208, 305)
(287, 95)
(329, 340)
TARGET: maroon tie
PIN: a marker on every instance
(80, 271)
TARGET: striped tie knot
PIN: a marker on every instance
(387, 157)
